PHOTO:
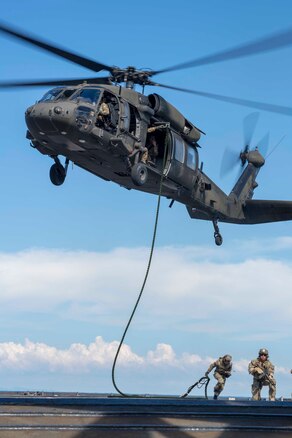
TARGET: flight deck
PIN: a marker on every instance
(76, 415)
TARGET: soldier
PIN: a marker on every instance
(262, 371)
(151, 151)
(104, 109)
(103, 116)
(223, 367)
(153, 148)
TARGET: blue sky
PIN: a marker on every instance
(72, 258)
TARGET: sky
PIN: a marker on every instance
(73, 258)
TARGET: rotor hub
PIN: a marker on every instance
(131, 75)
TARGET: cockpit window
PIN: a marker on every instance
(89, 95)
(52, 94)
(67, 93)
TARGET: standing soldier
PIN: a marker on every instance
(223, 367)
(262, 371)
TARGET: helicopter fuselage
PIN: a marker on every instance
(106, 130)
(68, 122)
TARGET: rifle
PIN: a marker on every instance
(263, 375)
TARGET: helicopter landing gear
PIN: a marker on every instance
(58, 171)
(217, 236)
(139, 174)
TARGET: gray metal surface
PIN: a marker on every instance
(92, 415)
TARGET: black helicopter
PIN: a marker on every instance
(121, 135)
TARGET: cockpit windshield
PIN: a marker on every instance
(52, 94)
(89, 95)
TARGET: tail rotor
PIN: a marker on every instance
(232, 159)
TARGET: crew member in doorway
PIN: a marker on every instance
(152, 147)
(151, 151)
(262, 371)
(103, 114)
(223, 368)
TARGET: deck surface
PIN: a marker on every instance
(35, 415)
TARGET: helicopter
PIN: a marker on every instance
(105, 126)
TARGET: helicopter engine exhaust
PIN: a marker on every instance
(165, 110)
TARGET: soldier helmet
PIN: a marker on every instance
(263, 351)
(227, 358)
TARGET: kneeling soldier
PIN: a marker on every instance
(223, 367)
(262, 371)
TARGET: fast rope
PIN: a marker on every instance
(145, 278)
(203, 381)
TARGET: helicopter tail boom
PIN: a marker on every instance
(255, 211)
(263, 211)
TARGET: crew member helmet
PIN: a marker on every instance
(263, 351)
(227, 358)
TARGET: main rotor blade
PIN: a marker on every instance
(249, 125)
(97, 81)
(73, 57)
(266, 44)
(243, 102)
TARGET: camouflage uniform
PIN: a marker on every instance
(223, 367)
(151, 150)
(104, 109)
(103, 116)
(263, 375)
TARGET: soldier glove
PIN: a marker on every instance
(258, 371)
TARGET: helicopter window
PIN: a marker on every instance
(191, 158)
(179, 149)
(89, 95)
(67, 93)
(52, 94)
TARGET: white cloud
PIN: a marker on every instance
(163, 354)
(184, 288)
(79, 358)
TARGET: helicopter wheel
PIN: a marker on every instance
(139, 174)
(57, 174)
(218, 239)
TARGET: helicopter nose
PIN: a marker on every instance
(38, 119)
(47, 118)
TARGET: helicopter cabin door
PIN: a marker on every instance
(184, 162)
